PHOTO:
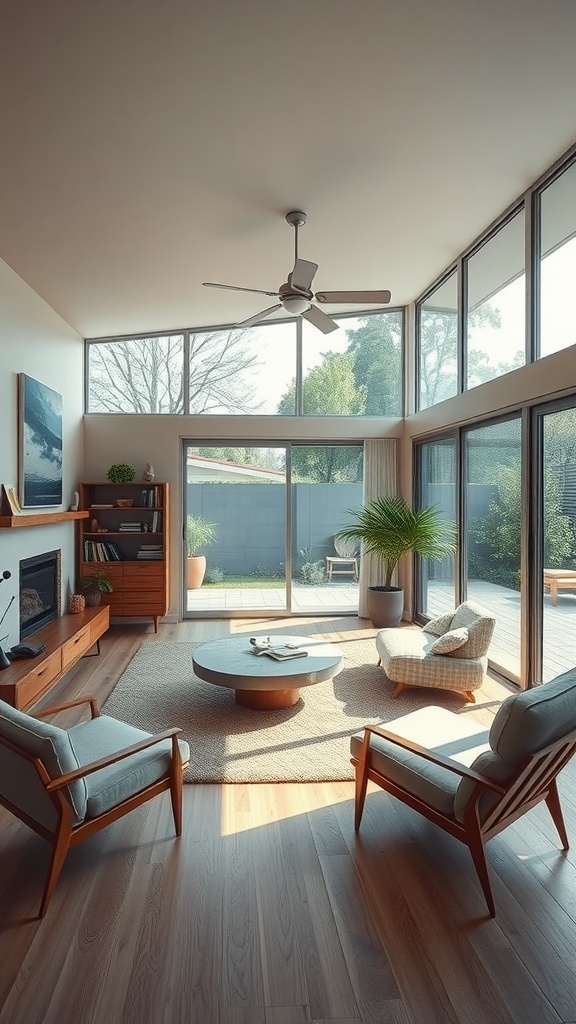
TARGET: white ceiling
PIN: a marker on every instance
(150, 145)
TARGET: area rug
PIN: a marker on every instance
(308, 742)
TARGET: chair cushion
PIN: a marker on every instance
(450, 641)
(525, 722)
(480, 625)
(528, 721)
(52, 746)
(439, 625)
(442, 731)
(108, 787)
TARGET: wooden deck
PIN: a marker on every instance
(559, 639)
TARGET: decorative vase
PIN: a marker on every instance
(93, 600)
(77, 604)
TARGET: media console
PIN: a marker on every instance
(65, 640)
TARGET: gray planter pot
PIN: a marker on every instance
(385, 607)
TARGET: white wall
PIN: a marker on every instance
(36, 341)
(137, 440)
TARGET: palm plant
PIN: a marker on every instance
(199, 534)
(389, 528)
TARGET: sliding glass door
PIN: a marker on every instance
(260, 522)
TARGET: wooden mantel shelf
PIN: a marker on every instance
(39, 519)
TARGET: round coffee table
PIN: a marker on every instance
(259, 681)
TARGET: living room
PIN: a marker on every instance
(269, 908)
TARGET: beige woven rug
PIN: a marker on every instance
(229, 743)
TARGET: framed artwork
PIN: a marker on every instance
(40, 442)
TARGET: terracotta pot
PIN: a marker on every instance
(77, 604)
(93, 600)
(195, 571)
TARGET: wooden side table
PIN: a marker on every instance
(337, 566)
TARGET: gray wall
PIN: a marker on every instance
(251, 521)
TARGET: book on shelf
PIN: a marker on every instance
(93, 505)
(11, 499)
(101, 551)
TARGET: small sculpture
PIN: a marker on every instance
(75, 502)
(148, 474)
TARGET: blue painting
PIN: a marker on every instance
(40, 431)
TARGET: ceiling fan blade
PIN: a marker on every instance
(236, 288)
(373, 297)
(303, 274)
(259, 316)
(319, 319)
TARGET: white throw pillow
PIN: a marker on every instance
(450, 641)
(440, 625)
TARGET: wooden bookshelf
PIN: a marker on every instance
(119, 542)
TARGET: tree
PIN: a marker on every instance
(328, 389)
(438, 353)
(376, 348)
(495, 555)
(145, 375)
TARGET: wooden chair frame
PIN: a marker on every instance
(67, 834)
(533, 781)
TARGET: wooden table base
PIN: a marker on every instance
(267, 700)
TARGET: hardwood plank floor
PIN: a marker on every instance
(270, 910)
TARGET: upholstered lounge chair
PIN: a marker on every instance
(69, 784)
(471, 781)
(448, 653)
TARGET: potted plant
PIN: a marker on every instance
(120, 473)
(199, 534)
(94, 586)
(389, 528)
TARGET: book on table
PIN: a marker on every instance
(284, 653)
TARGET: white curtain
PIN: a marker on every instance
(380, 481)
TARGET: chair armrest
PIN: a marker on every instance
(439, 759)
(94, 712)
(119, 755)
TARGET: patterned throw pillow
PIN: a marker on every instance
(439, 626)
(450, 641)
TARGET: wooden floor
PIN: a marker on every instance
(270, 910)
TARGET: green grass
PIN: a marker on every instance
(246, 583)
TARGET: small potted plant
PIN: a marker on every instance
(199, 534)
(120, 473)
(94, 586)
(389, 529)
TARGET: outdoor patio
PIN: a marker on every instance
(340, 597)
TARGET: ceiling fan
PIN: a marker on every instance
(295, 294)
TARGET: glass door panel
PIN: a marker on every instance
(492, 531)
(557, 591)
(326, 482)
(437, 460)
(241, 493)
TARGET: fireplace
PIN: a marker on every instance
(39, 591)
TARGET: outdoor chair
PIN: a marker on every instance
(448, 653)
(471, 781)
(67, 784)
(345, 561)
